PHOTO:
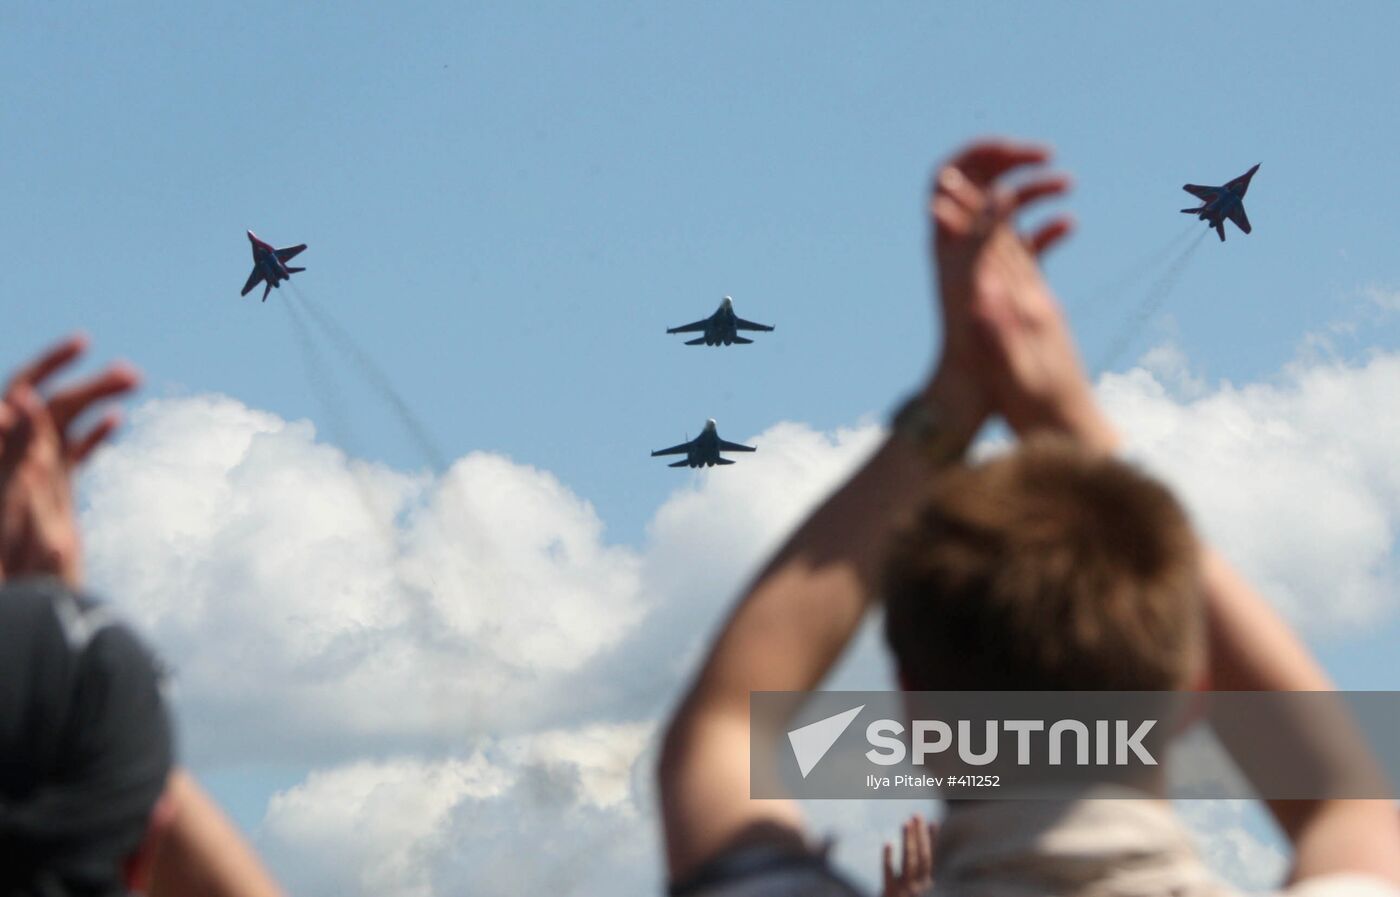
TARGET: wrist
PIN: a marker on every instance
(1087, 425)
(940, 420)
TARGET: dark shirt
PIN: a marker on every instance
(85, 742)
(765, 871)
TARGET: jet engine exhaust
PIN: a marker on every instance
(376, 377)
(1149, 306)
(1117, 285)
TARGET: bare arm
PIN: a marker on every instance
(799, 614)
(1251, 647)
(201, 852)
(785, 635)
(193, 848)
(40, 446)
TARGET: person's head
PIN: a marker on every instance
(1046, 569)
(85, 746)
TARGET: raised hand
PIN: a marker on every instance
(914, 875)
(1003, 328)
(66, 405)
(40, 445)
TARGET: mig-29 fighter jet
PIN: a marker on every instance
(703, 450)
(270, 265)
(1219, 203)
(720, 327)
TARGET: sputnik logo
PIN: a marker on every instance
(811, 742)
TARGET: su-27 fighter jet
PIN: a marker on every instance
(1219, 203)
(703, 450)
(270, 265)
(720, 327)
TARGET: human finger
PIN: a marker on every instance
(51, 360)
(1037, 189)
(1050, 233)
(69, 403)
(986, 160)
(922, 861)
(891, 879)
(100, 432)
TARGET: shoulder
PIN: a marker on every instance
(55, 638)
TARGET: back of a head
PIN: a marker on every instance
(1045, 569)
(85, 743)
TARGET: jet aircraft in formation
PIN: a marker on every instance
(270, 265)
(1219, 203)
(720, 327)
(703, 450)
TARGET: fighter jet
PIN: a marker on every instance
(270, 265)
(703, 450)
(720, 327)
(1219, 203)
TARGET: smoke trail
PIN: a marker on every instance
(424, 617)
(377, 378)
(323, 383)
(1149, 306)
(1120, 282)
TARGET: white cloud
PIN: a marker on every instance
(1237, 841)
(1295, 479)
(558, 812)
(1386, 299)
(382, 606)
(479, 632)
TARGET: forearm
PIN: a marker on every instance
(806, 604)
(1253, 649)
(203, 853)
(785, 634)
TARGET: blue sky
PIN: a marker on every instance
(507, 204)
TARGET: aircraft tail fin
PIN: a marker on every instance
(1220, 229)
(741, 340)
(724, 461)
(295, 270)
(267, 288)
(680, 464)
(1193, 211)
(695, 342)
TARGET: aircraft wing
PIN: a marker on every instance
(681, 449)
(735, 447)
(253, 280)
(689, 328)
(1203, 193)
(1238, 216)
(741, 324)
(290, 252)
